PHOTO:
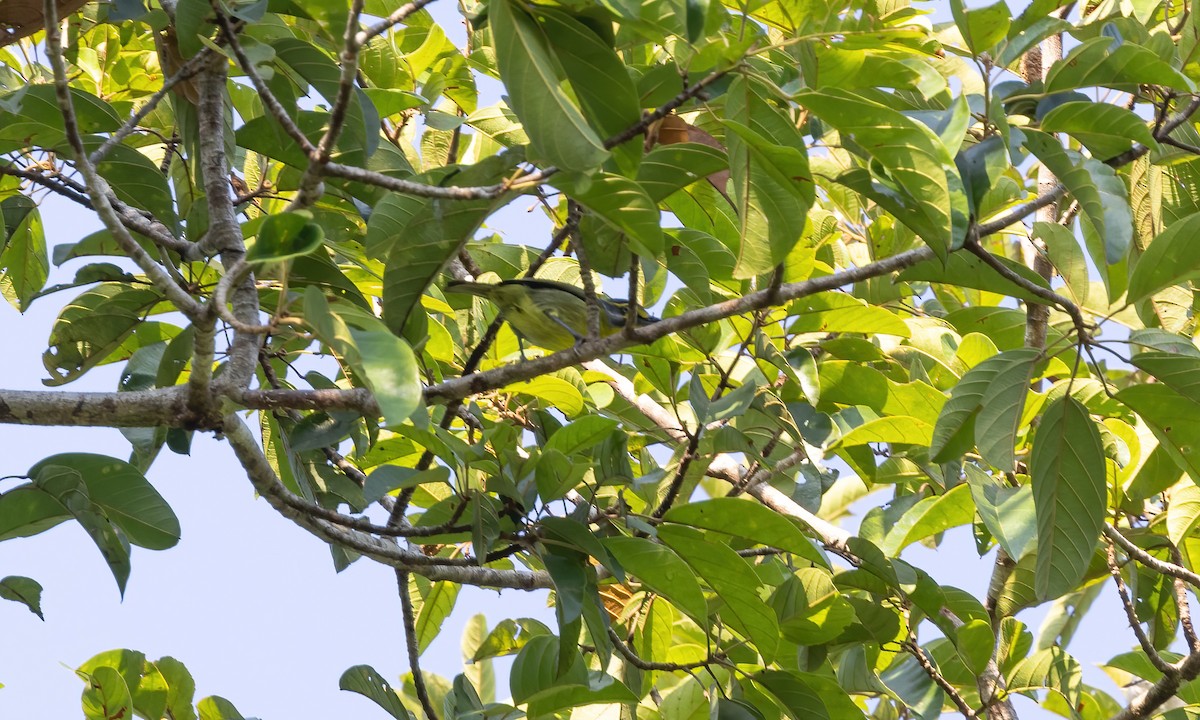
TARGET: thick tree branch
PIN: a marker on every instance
(224, 231)
(590, 350)
(141, 408)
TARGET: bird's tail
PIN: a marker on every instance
(618, 310)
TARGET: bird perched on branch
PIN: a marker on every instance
(550, 314)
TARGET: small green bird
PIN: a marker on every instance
(550, 314)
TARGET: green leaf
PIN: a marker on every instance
(433, 234)
(930, 516)
(750, 520)
(734, 581)
(26, 591)
(439, 603)
(916, 163)
(390, 370)
(285, 235)
(24, 266)
(216, 707)
(668, 168)
(1051, 668)
(93, 327)
(362, 120)
(975, 643)
(66, 487)
(1002, 407)
(1069, 495)
(1174, 419)
(508, 637)
(621, 203)
(662, 571)
(999, 385)
(1007, 512)
(1101, 194)
(138, 182)
(964, 270)
(597, 74)
(1066, 256)
(840, 312)
(900, 429)
(907, 680)
(809, 696)
(1171, 258)
(811, 610)
(1106, 62)
(772, 185)
(982, 28)
(106, 695)
(556, 127)
(32, 113)
(555, 391)
(369, 683)
(1105, 130)
(124, 495)
(181, 688)
(537, 669)
(580, 435)
(192, 20)
(1181, 373)
(480, 672)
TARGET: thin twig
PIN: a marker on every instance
(642, 664)
(398, 16)
(940, 680)
(1046, 294)
(188, 70)
(1148, 648)
(1182, 603)
(270, 102)
(414, 649)
(1145, 558)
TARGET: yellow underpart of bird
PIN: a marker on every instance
(549, 314)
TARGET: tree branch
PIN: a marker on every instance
(131, 218)
(1151, 653)
(1145, 558)
(934, 674)
(141, 408)
(185, 72)
(310, 188)
(224, 232)
(267, 484)
(398, 16)
(414, 649)
(97, 188)
(1046, 294)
